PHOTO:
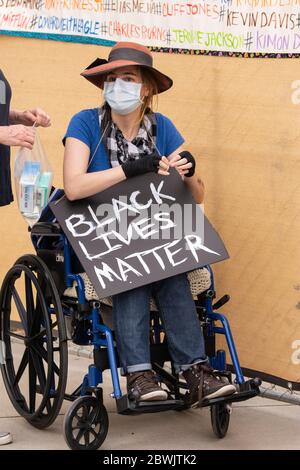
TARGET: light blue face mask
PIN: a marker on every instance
(123, 97)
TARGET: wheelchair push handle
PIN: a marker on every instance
(222, 301)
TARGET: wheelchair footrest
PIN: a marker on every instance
(238, 396)
(126, 406)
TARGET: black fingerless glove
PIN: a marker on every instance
(146, 164)
(190, 159)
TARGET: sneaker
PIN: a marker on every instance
(205, 383)
(5, 438)
(142, 386)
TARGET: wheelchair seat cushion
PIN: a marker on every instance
(199, 279)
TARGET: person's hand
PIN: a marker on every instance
(184, 163)
(164, 165)
(34, 116)
(17, 135)
(149, 163)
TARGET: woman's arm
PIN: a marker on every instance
(196, 187)
(79, 184)
(194, 183)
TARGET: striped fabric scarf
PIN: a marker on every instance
(119, 148)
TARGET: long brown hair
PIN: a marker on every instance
(150, 83)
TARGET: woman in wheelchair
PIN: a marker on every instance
(104, 146)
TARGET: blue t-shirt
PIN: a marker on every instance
(84, 126)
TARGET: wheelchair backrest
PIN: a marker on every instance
(49, 243)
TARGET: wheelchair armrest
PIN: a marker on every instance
(45, 228)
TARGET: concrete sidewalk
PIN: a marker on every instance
(255, 424)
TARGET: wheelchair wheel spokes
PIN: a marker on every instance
(86, 424)
(22, 377)
(36, 382)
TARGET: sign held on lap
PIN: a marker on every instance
(139, 231)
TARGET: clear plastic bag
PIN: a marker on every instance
(33, 180)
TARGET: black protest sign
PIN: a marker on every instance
(139, 231)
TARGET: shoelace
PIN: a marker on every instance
(145, 379)
(208, 370)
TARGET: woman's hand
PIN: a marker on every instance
(32, 116)
(150, 163)
(164, 165)
(17, 135)
(184, 163)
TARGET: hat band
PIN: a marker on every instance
(126, 53)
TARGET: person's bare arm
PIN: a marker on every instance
(78, 183)
(196, 187)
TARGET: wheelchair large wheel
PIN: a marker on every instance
(220, 417)
(32, 320)
(86, 424)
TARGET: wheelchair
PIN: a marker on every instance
(34, 289)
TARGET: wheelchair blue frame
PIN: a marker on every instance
(45, 333)
(103, 337)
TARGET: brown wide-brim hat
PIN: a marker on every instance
(122, 55)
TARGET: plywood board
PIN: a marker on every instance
(241, 119)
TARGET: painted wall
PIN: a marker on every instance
(241, 118)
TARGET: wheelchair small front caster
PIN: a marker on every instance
(220, 417)
(86, 424)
